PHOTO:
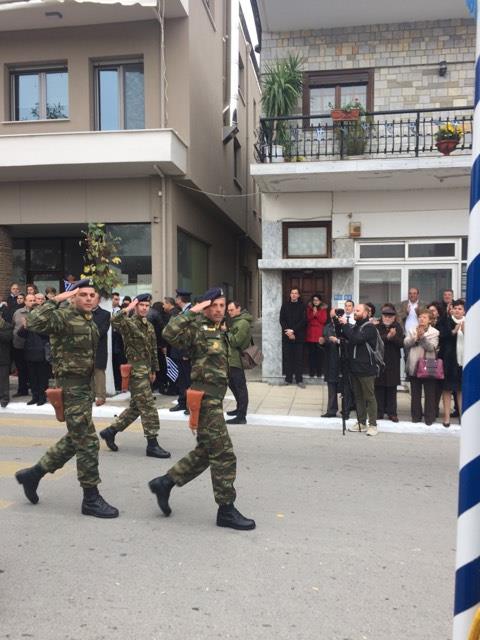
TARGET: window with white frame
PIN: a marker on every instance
(386, 270)
(39, 93)
(119, 96)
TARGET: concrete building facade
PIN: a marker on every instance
(138, 116)
(369, 223)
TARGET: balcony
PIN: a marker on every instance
(92, 154)
(315, 153)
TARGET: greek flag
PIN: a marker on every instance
(172, 370)
(67, 285)
(466, 623)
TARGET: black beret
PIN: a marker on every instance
(213, 293)
(183, 292)
(81, 284)
(144, 297)
(388, 310)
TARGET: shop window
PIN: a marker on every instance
(306, 240)
(430, 282)
(382, 251)
(135, 250)
(192, 263)
(120, 96)
(380, 286)
(432, 250)
(39, 94)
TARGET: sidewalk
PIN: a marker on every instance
(269, 405)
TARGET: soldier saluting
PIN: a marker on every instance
(141, 350)
(199, 332)
(74, 339)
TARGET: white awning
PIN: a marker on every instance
(18, 4)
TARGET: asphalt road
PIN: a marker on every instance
(355, 540)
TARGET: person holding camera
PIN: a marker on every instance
(362, 341)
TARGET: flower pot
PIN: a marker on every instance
(447, 146)
(340, 114)
(273, 153)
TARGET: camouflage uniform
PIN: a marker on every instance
(74, 339)
(141, 351)
(208, 347)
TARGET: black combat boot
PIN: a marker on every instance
(30, 479)
(108, 435)
(239, 419)
(232, 413)
(94, 505)
(162, 487)
(228, 516)
(154, 450)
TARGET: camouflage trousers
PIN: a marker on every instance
(142, 404)
(81, 440)
(214, 449)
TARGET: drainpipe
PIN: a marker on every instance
(163, 183)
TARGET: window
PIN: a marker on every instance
(380, 286)
(430, 282)
(303, 239)
(120, 96)
(241, 78)
(135, 248)
(192, 263)
(381, 251)
(39, 94)
(432, 250)
(322, 89)
(237, 163)
(210, 7)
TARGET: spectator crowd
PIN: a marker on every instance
(28, 354)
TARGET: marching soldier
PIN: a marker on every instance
(74, 339)
(141, 350)
(199, 331)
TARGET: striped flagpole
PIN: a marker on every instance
(466, 623)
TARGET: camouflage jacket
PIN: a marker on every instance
(239, 337)
(208, 348)
(73, 337)
(138, 338)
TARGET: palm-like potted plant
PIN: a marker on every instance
(447, 137)
(281, 89)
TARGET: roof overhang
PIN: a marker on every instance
(285, 15)
(46, 14)
(364, 175)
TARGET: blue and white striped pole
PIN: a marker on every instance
(467, 575)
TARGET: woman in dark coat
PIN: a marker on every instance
(451, 352)
(386, 384)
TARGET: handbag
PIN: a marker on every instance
(430, 368)
(251, 357)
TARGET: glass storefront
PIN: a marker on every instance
(46, 260)
(192, 263)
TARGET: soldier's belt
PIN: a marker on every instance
(213, 390)
(73, 378)
(137, 363)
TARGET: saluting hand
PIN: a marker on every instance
(66, 295)
(200, 306)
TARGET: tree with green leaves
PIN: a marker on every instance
(100, 258)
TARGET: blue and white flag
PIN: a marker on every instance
(466, 623)
(67, 285)
(172, 370)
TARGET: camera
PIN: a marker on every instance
(339, 312)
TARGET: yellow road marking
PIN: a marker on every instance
(15, 421)
(8, 468)
(5, 503)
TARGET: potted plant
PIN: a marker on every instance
(281, 89)
(447, 137)
(352, 133)
(351, 110)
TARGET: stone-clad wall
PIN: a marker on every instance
(405, 57)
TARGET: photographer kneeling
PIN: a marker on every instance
(363, 367)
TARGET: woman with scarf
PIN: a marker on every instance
(451, 352)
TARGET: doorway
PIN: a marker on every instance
(309, 282)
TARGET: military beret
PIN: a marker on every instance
(81, 284)
(183, 292)
(144, 297)
(213, 293)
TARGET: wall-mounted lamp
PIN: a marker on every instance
(442, 68)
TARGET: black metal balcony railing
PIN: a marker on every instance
(376, 134)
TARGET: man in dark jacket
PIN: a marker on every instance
(239, 335)
(35, 351)
(293, 319)
(363, 369)
(101, 317)
(391, 333)
(6, 335)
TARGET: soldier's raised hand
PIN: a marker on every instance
(200, 306)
